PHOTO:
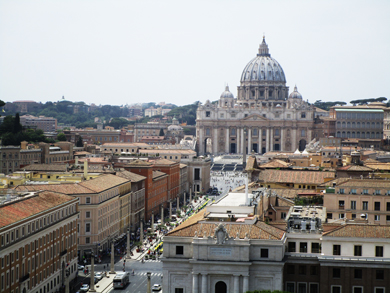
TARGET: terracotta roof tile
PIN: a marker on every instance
(289, 176)
(103, 182)
(130, 176)
(30, 206)
(360, 231)
(65, 188)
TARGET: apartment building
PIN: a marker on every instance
(38, 241)
(198, 170)
(156, 186)
(177, 155)
(130, 148)
(358, 199)
(47, 124)
(183, 186)
(172, 169)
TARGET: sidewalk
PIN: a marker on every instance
(146, 246)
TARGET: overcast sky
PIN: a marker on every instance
(124, 52)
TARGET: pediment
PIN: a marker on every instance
(254, 117)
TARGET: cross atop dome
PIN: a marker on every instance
(263, 49)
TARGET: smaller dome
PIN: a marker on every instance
(295, 94)
(227, 94)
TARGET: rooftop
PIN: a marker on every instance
(290, 176)
(360, 231)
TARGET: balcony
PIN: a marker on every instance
(24, 278)
(341, 207)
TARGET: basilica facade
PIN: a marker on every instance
(264, 117)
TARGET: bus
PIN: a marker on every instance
(121, 280)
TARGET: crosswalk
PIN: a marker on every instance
(151, 260)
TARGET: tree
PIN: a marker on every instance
(161, 132)
(17, 126)
(79, 142)
(61, 136)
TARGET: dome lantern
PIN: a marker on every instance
(263, 49)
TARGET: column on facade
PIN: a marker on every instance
(204, 283)
(309, 135)
(227, 149)
(242, 140)
(195, 283)
(236, 283)
(267, 141)
(271, 136)
(249, 141)
(294, 139)
(282, 139)
(201, 141)
(237, 140)
(215, 140)
(260, 132)
(245, 284)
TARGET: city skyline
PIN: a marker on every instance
(124, 52)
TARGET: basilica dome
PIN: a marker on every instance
(295, 94)
(227, 93)
(263, 67)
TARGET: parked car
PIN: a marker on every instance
(80, 267)
(156, 287)
(84, 288)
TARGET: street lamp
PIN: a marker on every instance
(149, 287)
(128, 243)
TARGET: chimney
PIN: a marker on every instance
(85, 168)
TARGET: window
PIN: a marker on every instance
(336, 249)
(179, 290)
(87, 240)
(380, 274)
(336, 273)
(377, 206)
(341, 192)
(329, 216)
(303, 115)
(302, 270)
(88, 200)
(301, 287)
(377, 217)
(290, 269)
(179, 250)
(379, 251)
(303, 132)
(290, 287)
(353, 205)
(303, 247)
(315, 247)
(365, 191)
(264, 253)
(353, 191)
(357, 289)
(377, 192)
(388, 206)
(365, 205)
(358, 273)
(291, 247)
(88, 227)
(276, 132)
(313, 288)
(207, 113)
(88, 214)
(357, 251)
(313, 270)
(379, 290)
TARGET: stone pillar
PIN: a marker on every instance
(112, 269)
(190, 194)
(201, 142)
(236, 283)
(259, 147)
(162, 214)
(141, 230)
(238, 150)
(92, 276)
(282, 139)
(128, 243)
(152, 222)
(204, 283)
(149, 286)
(267, 141)
(170, 210)
(184, 198)
(195, 283)
(215, 140)
(249, 141)
(271, 136)
(178, 203)
(294, 139)
(227, 147)
(245, 284)
(242, 140)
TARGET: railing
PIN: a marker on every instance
(341, 207)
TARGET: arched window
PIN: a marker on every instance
(338, 124)
(343, 134)
(363, 134)
(358, 134)
(358, 125)
(348, 124)
(348, 134)
(343, 124)
(353, 134)
(353, 124)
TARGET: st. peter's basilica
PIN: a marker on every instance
(264, 114)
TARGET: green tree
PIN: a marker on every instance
(61, 136)
(17, 126)
(79, 142)
(161, 132)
